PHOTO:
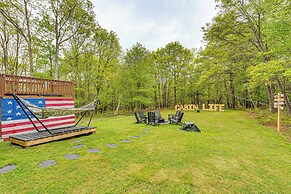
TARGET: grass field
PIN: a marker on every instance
(232, 154)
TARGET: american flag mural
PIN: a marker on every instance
(15, 121)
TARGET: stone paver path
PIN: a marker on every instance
(47, 163)
(146, 130)
(125, 140)
(111, 145)
(93, 150)
(7, 168)
(71, 156)
(78, 140)
(78, 146)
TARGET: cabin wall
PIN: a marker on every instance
(14, 120)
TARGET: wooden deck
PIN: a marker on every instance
(36, 138)
(21, 85)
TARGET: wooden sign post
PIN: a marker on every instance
(278, 103)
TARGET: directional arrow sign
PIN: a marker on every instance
(280, 100)
(281, 107)
(281, 103)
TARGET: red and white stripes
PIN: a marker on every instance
(22, 126)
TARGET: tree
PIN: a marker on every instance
(65, 19)
(173, 63)
(226, 57)
(5, 37)
(137, 77)
(107, 50)
(21, 20)
(243, 26)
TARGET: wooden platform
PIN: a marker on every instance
(36, 138)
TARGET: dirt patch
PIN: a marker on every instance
(270, 120)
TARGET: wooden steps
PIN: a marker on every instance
(35, 138)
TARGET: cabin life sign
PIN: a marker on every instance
(210, 107)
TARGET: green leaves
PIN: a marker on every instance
(265, 73)
(251, 40)
(173, 64)
(137, 77)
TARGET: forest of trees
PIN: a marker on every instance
(245, 62)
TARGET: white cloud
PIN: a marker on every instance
(154, 23)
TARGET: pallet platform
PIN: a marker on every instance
(35, 138)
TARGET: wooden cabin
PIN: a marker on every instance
(41, 92)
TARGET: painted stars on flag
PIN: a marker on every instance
(11, 110)
(15, 121)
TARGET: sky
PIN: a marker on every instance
(155, 23)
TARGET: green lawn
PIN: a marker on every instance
(232, 154)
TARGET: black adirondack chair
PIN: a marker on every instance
(176, 115)
(152, 119)
(177, 120)
(158, 117)
(142, 117)
(137, 119)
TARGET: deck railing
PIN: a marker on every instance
(10, 84)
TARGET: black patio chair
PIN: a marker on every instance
(142, 117)
(175, 116)
(152, 119)
(158, 117)
(137, 119)
(177, 120)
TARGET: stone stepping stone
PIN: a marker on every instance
(71, 156)
(94, 150)
(125, 140)
(146, 130)
(142, 134)
(111, 145)
(134, 137)
(78, 140)
(7, 168)
(47, 163)
(78, 146)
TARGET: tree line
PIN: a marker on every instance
(245, 61)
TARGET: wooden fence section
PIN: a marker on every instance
(10, 84)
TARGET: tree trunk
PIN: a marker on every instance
(57, 39)
(164, 95)
(168, 103)
(227, 98)
(249, 102)
(56, 65)
(17, 54)
(232, 91)
(159, 98)
(270, 98)
(175, 89)
(29, 40)
(4, 41)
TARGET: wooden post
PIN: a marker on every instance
(279, 119)
(278, 103)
